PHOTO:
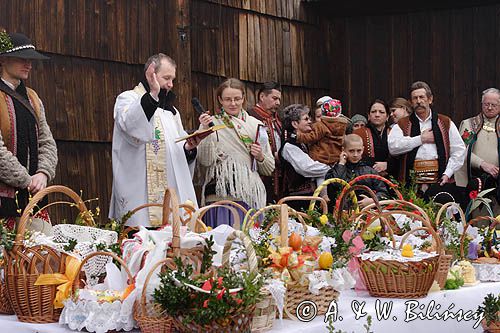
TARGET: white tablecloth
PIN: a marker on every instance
(465, 299)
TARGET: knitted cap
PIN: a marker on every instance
(331, 108)
(322, 100)
(358, 117)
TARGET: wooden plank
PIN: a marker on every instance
(258, 53)
(287, 54)
(272, 57)
(294, 50)
(279, 35)
(264, 60)
(243, 45)
(358, 88)
(462, 75)
(378, 57)
(400, 55)
(251, 48)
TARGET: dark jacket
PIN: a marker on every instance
(349, 171)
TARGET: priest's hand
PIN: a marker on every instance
(490, 168)
(444, 180)
(38, 182)
(256, 151)
(154, 85)
(192, 142)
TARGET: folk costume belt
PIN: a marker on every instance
(426, 171)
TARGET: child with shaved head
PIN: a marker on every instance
(351, 166)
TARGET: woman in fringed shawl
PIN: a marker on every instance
(233, 159)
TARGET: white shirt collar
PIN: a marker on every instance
(426, 119)
(11, 86)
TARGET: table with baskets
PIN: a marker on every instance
(466, 298)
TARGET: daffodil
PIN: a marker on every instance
(323, 219)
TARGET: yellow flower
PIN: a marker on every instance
(367, 235)
(498, 218)
(209, 228)
(375, 229)
(323, 219)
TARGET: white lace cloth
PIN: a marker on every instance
(487, 272)
(277, 289)
(86, 312)
(339, 279)
(391, 254)
(87, 239)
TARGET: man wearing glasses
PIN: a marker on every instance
(481, 135)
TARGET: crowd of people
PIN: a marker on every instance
(261, 153)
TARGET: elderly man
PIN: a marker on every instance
(429, 142)
(266, 110)
(28, 152)
(146, 158)
(481, 134)
(299, 170)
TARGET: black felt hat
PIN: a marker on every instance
(19, 46)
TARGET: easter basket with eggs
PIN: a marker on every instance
(100, 307)
(484, 249)
(399, 271)
(292, 257)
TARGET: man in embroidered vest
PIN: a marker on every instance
(28, 152)
(146, 158)
(481, 135)
(429, 142)
(266, 110)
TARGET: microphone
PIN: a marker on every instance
(200, 109)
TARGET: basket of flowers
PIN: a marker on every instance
(483, 249)
(398, 271)
(221, 300)
(100, 307)
(24, 264)
(293, 257)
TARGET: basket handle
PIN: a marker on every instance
(23, 221)
(430, 230)
(391, 185)
(493, 224)
(333, 181)
(101, 253)
(170, 197)
(198, 215)
(170, 263)
(313, 199)
(252, 257)
(444, 208)
(383, 222)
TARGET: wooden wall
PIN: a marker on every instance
(98, 48)
(456, 51)
(258, 41)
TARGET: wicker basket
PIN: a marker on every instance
(391, 278)
(152, 319)
(265, 310)
(296, 293)
(24, 265)
(5, 307)
(237, 322)
(445, 259)
(493, 327)
(77, 284)
(488, 270)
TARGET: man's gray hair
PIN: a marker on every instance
(490, 91)
(292, 113)
(156, 59)
(421, 85)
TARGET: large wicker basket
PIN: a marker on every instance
(24, 265)
(265, 310)
(392, 278)
(149, 316)
(445, 259)
(296, 293)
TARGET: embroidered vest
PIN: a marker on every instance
(443, 123)
(293, 182)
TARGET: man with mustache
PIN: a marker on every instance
(429, 143)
